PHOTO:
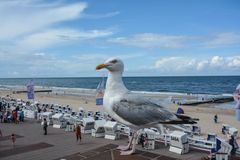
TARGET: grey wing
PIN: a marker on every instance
(141, 111)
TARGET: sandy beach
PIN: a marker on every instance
(203, 112)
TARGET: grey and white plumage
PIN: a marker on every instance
(131, 109)
(127, 107)
(140, 111)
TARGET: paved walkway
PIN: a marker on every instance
(58, 144)
(109, 152)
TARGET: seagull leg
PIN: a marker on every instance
(129, 152)
(125, 148)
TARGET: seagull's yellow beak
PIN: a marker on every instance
(100, 66)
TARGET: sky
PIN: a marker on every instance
(68, 38)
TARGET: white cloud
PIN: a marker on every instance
(222, 40)
(43, 64)
(228, 62)
(201, 65)
(217, 61)
(174, 63)
(99, 16)
(234, 62)
(39, 54)
(215, 64)
(19, 18)
(91, 57)
(51, 37)
(150, 40)
(100, 58)
(155, 40)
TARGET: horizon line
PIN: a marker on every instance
(123, 76)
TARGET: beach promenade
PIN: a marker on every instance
(58, 145)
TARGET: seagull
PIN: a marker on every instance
(131, 109)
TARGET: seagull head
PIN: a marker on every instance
(112, 64)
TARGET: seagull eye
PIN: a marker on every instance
(114, 61)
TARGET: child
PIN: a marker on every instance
(78, 133)
(45, 125)
(13, 137)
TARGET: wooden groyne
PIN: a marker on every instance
(222, 99)
(24, 91)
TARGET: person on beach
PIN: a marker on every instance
(231, 142)
(130, 135)
(78, 133)
(145, 140)
(45, 125)
(13, 138)
(215, 118)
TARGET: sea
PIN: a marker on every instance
(176, 84)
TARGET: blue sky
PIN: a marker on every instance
(67, 38)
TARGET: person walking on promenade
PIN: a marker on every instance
(13, 138)
(14, 116)
(45, 125)
(21, 116)
(1, 116)
(142, 140)
(78, 133)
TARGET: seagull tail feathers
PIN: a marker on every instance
(185, 117)
(179, 122)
